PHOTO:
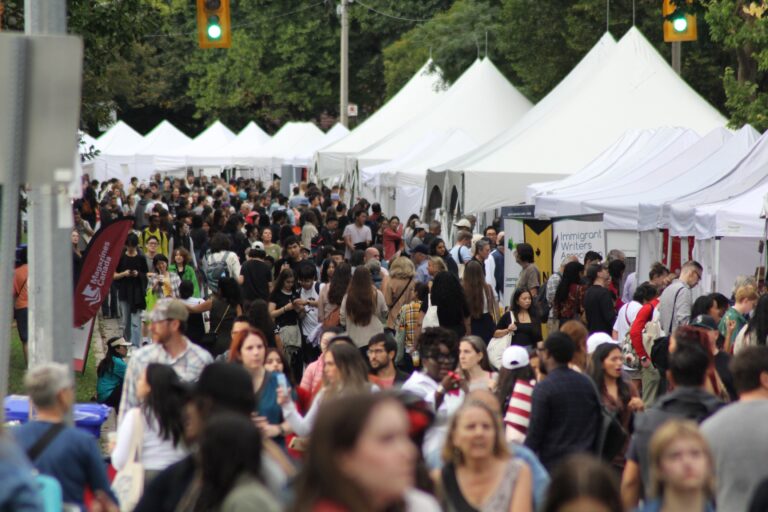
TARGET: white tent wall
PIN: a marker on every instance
(649, 250)
(734, 257)
(290, 140)
(634, 88)
(664, 146)
(408, 201)
(163, 138)
(416, 96)
(117, 149)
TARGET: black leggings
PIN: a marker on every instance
(113, 400)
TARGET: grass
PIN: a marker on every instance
(85, 383)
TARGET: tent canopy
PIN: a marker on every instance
(416, 97)
(117, 148)
(653, 211)
(202, 151)
(304, 156)
(163, 138)
(632, 88)
(482, 103)
(289, 141)
(239, 150)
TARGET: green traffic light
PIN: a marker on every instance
(680, 24)
(214, 28)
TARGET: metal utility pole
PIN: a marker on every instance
(49, 209)
(344, 82)
(13, 62)
(677, 56)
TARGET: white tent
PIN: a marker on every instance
(203, 150)
(632, 88)
(239, 151)
(416, 97)
(481, 102)
(408, 179)
(163, 138)
(117, 148)
(711, 175)
(88, 143)
(304, 156)
(290, 140)
(617, 195)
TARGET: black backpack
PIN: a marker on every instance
(542, 305)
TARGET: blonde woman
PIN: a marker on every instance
(399, 287)
(682, 470)
(479, 472)
(436, 264)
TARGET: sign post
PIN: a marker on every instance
(12, 94)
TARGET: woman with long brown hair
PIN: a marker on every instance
(361, 462)
(398, 288)
(363, 309)
(329, 301)
(483, 309)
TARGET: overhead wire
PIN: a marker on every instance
(392, 16)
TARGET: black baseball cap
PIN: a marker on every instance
(705, 322)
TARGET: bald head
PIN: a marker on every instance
(371, 253)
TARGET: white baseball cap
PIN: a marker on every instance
(515, 357)
(597, 339)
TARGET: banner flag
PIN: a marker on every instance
(99, 263)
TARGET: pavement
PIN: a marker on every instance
(106, 328)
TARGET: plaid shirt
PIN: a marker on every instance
(407, 320)
(188, 365)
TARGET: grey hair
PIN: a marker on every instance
(743, 281)
(435, 224)
(44, 382)
(615, 254)
(481, 244)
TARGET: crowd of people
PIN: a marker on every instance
(293, 353)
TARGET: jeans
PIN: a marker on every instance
(131, 324)
(109, 306)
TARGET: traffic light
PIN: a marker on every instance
(213, 27)
(679, 24)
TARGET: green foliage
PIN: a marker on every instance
(742, 28)
(454, 39)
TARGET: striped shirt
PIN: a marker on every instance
(518, 414)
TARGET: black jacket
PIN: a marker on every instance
(599, 309)
(683, 403)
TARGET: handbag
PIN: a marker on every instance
(128, 484)
(497, 346)
(430, 317)
(290, 335)
(333, 319)
(208, 341)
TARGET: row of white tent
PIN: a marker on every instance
(124, 153)
(622, 135)
(483, 138)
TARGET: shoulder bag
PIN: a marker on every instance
(430, 317)
(611, 435)
(208, 341)
(128, 484)
(496, 346)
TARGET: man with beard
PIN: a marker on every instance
(382, 349)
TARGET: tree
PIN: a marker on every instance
(454, 39)
(743, 29)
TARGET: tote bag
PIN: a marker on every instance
(430, 317)
(128, 484)
(496, 347)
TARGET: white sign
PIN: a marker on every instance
(573, 237)
(513, 235)
(352, 110)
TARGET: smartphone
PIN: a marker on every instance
(282, 381)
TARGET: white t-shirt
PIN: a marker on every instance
(310, 322)
(156, 453)
(625, 317)
(358, 235)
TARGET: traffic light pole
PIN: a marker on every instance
(50, 229)
(677, 56)
(344, 79)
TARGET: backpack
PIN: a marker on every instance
(213, 270)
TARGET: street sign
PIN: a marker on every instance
(53, 105)
(352, 110)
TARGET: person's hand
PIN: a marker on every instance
(282, 397)
(730, 324)
(636, 404)
(289, 306)
(645, 362)
(103, 503)
(450, 382)
(512, 327)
